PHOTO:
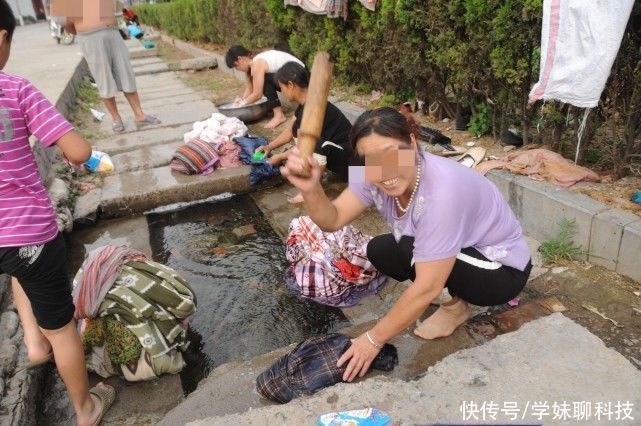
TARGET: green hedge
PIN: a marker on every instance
(459, 53)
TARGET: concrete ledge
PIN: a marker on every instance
(629, 260)
(150, 69)
(171, 187)
(147, 157)
(606, 236)
(612, 237)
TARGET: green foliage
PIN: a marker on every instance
(122, 345)
(454, 52)
(561, 247)
(87, 96)
(481, 121)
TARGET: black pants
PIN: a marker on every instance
(42, 273)
(481, 282)
(270, 90)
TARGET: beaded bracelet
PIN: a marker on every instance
(376, 345)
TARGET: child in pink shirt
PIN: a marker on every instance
(32, 250)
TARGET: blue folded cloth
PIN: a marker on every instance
(261, 169)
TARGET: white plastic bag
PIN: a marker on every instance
(579, 42)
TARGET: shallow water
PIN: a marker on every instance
(244, 308)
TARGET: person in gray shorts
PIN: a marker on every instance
(108, 60)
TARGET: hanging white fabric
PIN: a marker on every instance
(579, 42)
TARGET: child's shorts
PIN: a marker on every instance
(42, 273)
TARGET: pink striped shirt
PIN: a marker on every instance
(27, 216)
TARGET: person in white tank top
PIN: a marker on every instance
(260, 69)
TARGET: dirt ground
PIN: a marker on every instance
(581, 286)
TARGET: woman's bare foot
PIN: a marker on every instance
(296, 199)
(447, 318)
(276, 121)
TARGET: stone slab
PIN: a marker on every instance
(141, 52)
(200, 63)
(543, 361)
(629, 262)
(118, 144)
(156, 68)
(227, 389)
(132, 43)
(134, 192)
(146, 61)
(86, 208)
(147, 157)
(352, 112)
(605, 240)
(158, 81)
(152, 101)
(169, 115)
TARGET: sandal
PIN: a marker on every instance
(106, 394)
(118, 126)
(472, 157)
(148, 120)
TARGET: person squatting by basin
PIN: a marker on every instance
(451, 228)
(333, 150)
(260, 69)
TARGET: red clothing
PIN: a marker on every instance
(129, 14)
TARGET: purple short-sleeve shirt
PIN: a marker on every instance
(454, 208)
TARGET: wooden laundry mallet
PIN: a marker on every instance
(315, 105)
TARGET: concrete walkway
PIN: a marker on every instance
(539, 374)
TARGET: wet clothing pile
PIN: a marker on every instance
(260, 169)
(151, 300)
(195, 157)
(330, 268)
(209, 145)
(217, 129)
(311, 366)
(542, 164)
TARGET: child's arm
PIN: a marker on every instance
(74, 147)
(46, 123)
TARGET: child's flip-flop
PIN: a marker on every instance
(107, 395)
(148, 120)
(118, 126)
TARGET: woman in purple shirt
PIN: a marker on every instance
(450, 228)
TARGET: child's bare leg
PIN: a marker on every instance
(70, 360)
(37, 344)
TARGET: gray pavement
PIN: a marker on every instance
(36, 55)
(538, 374)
